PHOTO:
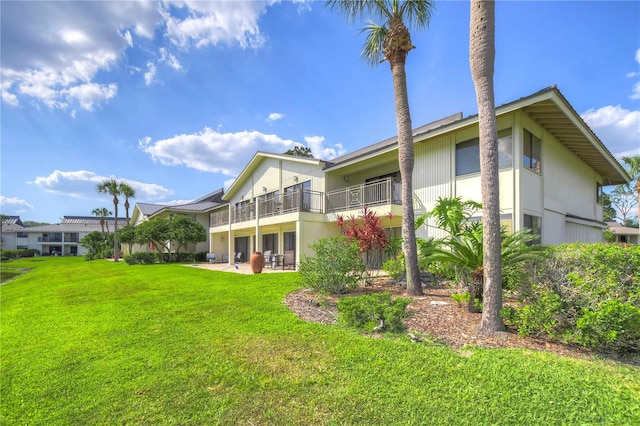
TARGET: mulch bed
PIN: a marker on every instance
(437, 315)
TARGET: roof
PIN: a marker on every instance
(547, 107)
(91, 220)
(12, 223)
(201, 205)
(618, 229)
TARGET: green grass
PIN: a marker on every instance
(108, 343)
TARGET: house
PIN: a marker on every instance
(624, 234)
(197, 210)
(552, 171)
(60, 239)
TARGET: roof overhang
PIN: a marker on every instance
(548, 108)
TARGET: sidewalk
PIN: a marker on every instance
(239, 268)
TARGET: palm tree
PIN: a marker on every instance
(391, 42)
(633, 168)
(127, 192)
(102, 212)
(482, 54)
(112, 187)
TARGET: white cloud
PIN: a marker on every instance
(212, 151)
(211, 23)
(150, 75)
(316, 143)
(82, 184)
(14, 204)
(274, 116)
(226, 153)
(617, 128)
(55, 59)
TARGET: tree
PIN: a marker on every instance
(391, 42)
(633, 168)
(482, 54)
(127, 192)
(112, 187)
(300, 151)
(102, 212)
(127, 235)
(154, 231)
(624, 199)
(183, 231)
(608, 212)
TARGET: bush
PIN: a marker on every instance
(17, 253)
(337, 267)
(141, 258)
(581, 293)
(373, 311)
(614, 326)
(394, 267)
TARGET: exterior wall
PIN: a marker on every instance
(565, 185)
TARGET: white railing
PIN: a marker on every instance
(384, 191)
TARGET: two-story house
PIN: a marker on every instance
(552, 171)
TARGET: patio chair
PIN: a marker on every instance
(289, 259)
(267, 257)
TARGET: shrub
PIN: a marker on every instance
(336, 268)
(141, 258)
(18, 253)
(581, 293)
(372, 312)
(394, 267)
(615, 325)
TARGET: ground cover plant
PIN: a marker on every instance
(110, 343)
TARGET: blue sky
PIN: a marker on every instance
(176, 97)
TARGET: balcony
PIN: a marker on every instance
(219, 218)
(302, 200)
(244, 212)
(380, 192)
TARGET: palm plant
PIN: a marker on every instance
(102, 212)
(112, 187)
(127, 192)
(482, 54)
(391, 42)
(463, 247)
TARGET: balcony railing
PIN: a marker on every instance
(244, 212)
(50, 239)
(384, 191)
(302, 200)
(219, 218)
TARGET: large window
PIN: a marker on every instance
(532, 152)
(535, 224)
(297, 197)
(599, 193)
(468, 153)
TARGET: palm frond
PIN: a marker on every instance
(416, 13)
(372, 50)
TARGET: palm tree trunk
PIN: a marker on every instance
(481, 58)
(405, 161)
(115, 229)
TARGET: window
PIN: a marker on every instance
(270, 242)
(535, 224)
(23, 235)
(599, 193)
(468, 153)
(532, 150)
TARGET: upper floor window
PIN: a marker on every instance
(468, 153)
(532, 152)
(23, 235)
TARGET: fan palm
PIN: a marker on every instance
(391, 41)
(102, 212)
(127, 192)
(112, 187)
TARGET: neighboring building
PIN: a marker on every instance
(197, 210)
(61, 239)
(552, 171)
(624, 234)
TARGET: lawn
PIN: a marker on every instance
(107, 343)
